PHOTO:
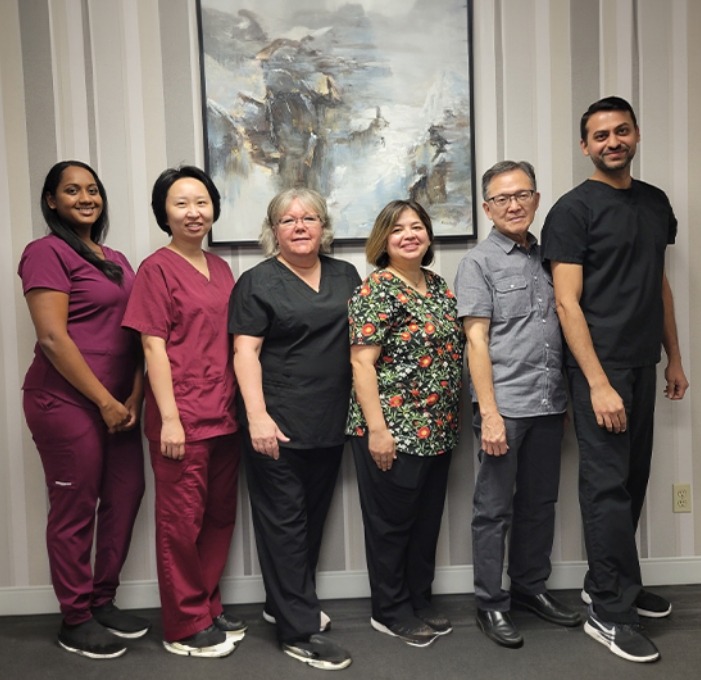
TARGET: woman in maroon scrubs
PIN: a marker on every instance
(82, 399)
(179, 305)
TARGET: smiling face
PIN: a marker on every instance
(189, 211)
(514, 218)
(612, 139)
(77, 200)
(408, 239)
(298, 232)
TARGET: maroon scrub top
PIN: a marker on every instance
(174, 301)
(95, 309)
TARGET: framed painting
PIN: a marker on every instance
(365, 102)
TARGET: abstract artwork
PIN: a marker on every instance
(365, 101)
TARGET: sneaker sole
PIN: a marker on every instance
(381, 628)
(319, 663)
(128, 635)
(597, 635)
(212, 652)
(92, 655)
(235, 635)
(586, 598)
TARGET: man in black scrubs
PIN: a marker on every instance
(605, 241)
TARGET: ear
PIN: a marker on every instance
(50, 201)
(583, 146)
(536, 200)
(487, 211)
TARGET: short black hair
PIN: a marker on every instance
(166, 180)
(605, 104)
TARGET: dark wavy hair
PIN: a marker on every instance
(66, 233)
(376, 245)
(606, 104)
(165, 181)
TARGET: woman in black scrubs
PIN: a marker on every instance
(289, 317)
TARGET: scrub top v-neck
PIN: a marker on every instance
(174, 301)
(305, 356)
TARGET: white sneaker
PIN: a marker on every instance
(324, 620)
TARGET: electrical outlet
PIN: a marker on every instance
(681, 495)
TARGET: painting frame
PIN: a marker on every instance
(434, 164)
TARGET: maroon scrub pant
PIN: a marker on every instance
(86, 469)
(195, 515)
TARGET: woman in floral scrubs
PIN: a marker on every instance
(406, 351)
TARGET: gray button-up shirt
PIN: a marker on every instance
(505, 283)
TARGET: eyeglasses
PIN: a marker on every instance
(521, 197)
(307, 221)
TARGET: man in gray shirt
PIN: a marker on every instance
(514, 353)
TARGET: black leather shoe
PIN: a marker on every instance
(498, 626)
(547, 607)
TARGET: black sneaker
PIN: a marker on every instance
(652, 606)
(413, 631)
(624, 640)
(318, 652)
(646, 604)
(435, 619)
(208, 643)
(90, 639)
(233, 628)
(120, 623)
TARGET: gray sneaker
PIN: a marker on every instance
(413, 631)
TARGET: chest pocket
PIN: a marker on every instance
(512, 296)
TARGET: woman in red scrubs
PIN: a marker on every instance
(82, 400)
(179, 305)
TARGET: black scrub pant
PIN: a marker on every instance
(516, 491)
(402, 510)
(290, 498)
(613, 476)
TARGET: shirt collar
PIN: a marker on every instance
(507, 244)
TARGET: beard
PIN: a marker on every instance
(604, 163)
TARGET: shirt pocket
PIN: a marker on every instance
(513, 296)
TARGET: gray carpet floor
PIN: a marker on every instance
(28, 649)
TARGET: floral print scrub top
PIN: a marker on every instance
(419, 369)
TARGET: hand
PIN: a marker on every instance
(133, 406)
(115, 415)
(383, 448)
(494, 435)
(173, 439)
(609, 408)
(677, 384)
(266, 436)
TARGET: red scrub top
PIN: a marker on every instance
(174, 301)
(95, 309)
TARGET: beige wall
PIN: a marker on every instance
(116, 84)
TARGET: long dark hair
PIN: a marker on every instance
(59, 228)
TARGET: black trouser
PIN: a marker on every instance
(613, 476)
(516, 491)
(402, 510)
(290, 498)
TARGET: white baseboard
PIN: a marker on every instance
(346, 584)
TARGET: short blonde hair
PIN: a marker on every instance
(376, 245)
(312, 201)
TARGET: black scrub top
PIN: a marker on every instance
(305, 356)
